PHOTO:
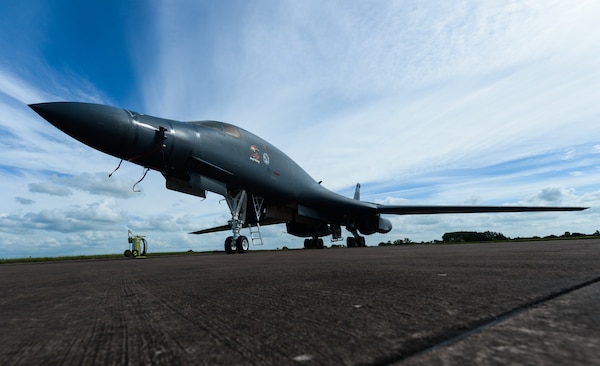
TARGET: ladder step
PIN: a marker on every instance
(255, 234)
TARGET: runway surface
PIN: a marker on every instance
(520, 303)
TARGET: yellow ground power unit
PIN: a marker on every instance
(137, 246)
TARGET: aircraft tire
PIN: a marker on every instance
(313, 244)
(127, 253)
(242, 245)
(229, 247)
(361, 242)
(350, 242)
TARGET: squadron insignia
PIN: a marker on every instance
(255, 154)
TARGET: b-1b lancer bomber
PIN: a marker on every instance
(262, 185)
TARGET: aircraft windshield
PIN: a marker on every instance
(231, 130)
(221, 126)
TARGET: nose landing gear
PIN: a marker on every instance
(239, 245)
(238, 203)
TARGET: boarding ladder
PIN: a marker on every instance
(255, 234)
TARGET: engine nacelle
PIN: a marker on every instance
(374, 224)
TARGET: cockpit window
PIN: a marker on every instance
(210, 124)
(231, 130)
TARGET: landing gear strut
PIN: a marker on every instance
(356, 240)
(237, 205)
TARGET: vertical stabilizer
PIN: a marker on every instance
(357, 192)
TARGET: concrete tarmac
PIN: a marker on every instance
(504, 303)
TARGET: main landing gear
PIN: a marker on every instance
(238, 203)
(355, 241)
(314, 243)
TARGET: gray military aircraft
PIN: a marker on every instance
(261, 185)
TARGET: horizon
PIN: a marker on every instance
(436, 103)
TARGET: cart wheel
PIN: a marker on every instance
(135, 253)
(127, 253)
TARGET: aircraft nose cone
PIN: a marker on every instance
(101, 127)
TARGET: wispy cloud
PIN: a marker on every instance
(420, 88)
(16, 88)
(439, 103)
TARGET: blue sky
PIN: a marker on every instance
(461, 102)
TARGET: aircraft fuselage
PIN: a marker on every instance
(252, 174)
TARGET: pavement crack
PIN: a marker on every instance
(487, 323)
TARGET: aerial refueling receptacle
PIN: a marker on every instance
(137, 246)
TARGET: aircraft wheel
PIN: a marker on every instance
(361, 242)
(135, 253)
(242, 244)
(229, 245)
(350, 242)
(320, 244)
(127, 253)
(307, 243)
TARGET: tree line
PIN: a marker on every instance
(486, 236)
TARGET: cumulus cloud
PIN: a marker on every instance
(551, 194)
(94, 216)
(96, 184)
(554, 195)
(49, 188)
(165, 223)
(24, 201)
(446, 101)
